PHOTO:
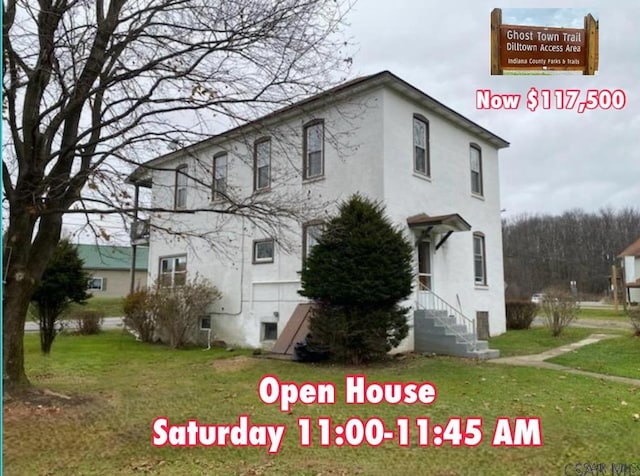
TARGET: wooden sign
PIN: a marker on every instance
(521, 47)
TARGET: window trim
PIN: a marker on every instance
(483, 282)
(255, 259)
(181, 170)
(263, 328)
(427, 153)
(305, 227)
(474, 146)
(92, 278)
(305, 153)
(202, 318)
(173, 273)
(255, 164)
(215, 194)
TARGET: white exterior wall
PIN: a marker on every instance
(631, 275)
(372, 155)
(267, 292)
(447, 191)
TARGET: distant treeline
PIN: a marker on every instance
(544, 250)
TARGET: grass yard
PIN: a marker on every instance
(120, 386)
(535, 340)
(619, 356)
(604, 314)
(109, 306)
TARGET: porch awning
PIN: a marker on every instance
(438, 224)
(635, 284)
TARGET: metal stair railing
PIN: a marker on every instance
(427, 300)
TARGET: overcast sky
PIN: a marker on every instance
(558, 160)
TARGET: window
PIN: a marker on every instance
(173, 271)
(424, 266)
(219, 176)
(263, 251)
(479, 259)
(181, 187)
(269, 331)
(262, 164)
(311, 232)
(313, 150)
(97, 284)
(205, 323)
(421, 162)
(476, 169)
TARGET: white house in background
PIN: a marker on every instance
(630, 258)
(435, 171)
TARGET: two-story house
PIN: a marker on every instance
(630, 261)
(434, 170)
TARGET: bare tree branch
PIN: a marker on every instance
(94, 89)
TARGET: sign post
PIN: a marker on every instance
(539, 48)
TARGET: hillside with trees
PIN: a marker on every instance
(546, 250)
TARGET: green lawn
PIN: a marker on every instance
(109, 306)
(605, 314)
(125, 385)
(619, 356)
(535, 340)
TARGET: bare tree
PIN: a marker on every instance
(94, 88)
(545, 250)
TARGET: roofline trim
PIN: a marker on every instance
(362, 83)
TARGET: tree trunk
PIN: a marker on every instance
(47, 329)
(15, 305)
(25, 265)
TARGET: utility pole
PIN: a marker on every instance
(614, 282)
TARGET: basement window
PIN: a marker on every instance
(205, 323)
(269, 331)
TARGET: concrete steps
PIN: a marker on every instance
(436, 332)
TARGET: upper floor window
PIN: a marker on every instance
(476, 169)
(421, 162)
(479, 260)
(173, 271)
(313, 149)
(262, 164)
(219, 176)
(180, 198)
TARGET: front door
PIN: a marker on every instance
(425, 273)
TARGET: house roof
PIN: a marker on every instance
(632, 250)
(440, 223)
(360, 84)
(112, 257)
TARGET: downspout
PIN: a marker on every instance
(132, 271)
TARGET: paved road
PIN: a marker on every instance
(107, 323)
(595, 305)
(610, 323)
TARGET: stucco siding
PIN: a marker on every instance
(368, 149)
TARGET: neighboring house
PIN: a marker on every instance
(435, 171)
(630, 259)
(110, 268)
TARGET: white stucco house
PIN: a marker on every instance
(434, 170)
(630, 260)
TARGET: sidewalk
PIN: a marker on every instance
(538, 360)
(607, 323)
(107, 323)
